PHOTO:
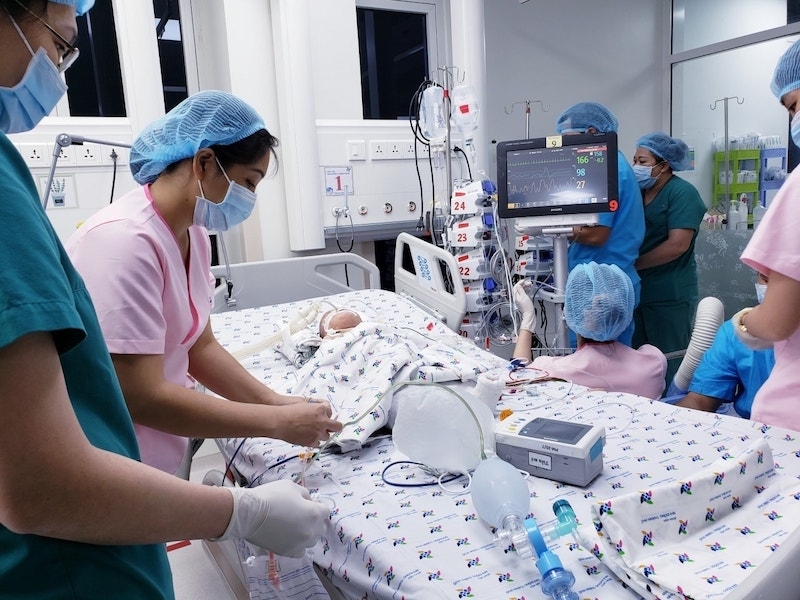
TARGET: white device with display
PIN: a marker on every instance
(559, 450)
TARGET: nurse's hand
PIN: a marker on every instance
(279, 516)
(307, 423)
(525, 304)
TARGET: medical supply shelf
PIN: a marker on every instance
(738, 161)
(764, 185)
(747, 160)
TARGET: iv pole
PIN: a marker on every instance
(559, 235)
(62, 141)
(727, 144)
(527, 103)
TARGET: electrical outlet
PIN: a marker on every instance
(66, 156)
(36, 155)
(423, 150)
(88, 154)
(122, 155)
(395, 149)
(378, 150)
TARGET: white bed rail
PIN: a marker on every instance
(428, 276)
(268, 282)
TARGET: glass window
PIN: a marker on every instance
(95, 80)
(700, 23)
(742, 76)
(394, 60)
(400, 44)
(170, 51)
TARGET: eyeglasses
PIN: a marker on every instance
(69, 55)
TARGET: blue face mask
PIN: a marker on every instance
(796, 128)
(35, 96)
(235, 207)
(644, 176)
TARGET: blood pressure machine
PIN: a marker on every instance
(559, 450)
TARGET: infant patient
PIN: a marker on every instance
(338, 320)
(301, 345)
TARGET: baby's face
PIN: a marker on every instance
(338, 320)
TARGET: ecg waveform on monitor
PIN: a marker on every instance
(537, 181)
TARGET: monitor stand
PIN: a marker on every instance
(559, 228)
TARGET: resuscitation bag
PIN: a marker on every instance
(442, 426)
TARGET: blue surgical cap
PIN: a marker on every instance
(581, 116)
(787, 72)
(598, 303)
(672, 150)
(204, 119)
(80, 6)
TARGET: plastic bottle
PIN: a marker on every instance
(743, 211)
(733, 215)
(758, 214)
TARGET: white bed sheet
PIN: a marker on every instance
(421, 542)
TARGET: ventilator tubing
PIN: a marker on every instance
(708, 319)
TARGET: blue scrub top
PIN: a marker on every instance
(627, 230)
(732, 372)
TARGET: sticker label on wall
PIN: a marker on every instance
(62, 191)
(337, 179)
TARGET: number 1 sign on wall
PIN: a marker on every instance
(336, 179)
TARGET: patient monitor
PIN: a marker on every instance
(557, 181)
(559, 450)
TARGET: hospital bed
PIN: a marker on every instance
(389, 541)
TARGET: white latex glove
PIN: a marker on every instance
(748, 339)
(525, 304)
(278, 516)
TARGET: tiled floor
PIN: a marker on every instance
(194, 572)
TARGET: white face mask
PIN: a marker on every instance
(761, 291)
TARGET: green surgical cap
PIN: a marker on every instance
(787, 72)
(80, 6)
(204, 119)
(582, 116)
(598, 301)
(670, 149)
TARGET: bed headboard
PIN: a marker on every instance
(428, 276)
(268, 282)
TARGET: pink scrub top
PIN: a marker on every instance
(147, 300)
(611, 367)
(775, 246)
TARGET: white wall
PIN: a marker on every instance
(572, 51)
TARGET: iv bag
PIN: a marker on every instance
(465, 112)
(432, 118)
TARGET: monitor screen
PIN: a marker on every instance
(569, 178)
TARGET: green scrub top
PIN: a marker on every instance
(677, 206)
(41, 291)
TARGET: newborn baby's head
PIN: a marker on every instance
(338, 321)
